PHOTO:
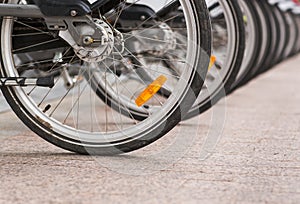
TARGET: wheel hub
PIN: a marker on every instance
(88, 47)
(97, 50)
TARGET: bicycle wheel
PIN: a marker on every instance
(265, 35)
(271, 59)
(228, 46)
(70, 115)
(293, 34)
(253, 42)
(291, 48)
(297, 19)
(283, 33)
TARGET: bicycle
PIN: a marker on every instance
(67, 40)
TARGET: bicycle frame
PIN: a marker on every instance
(21, 11)
(52, 8)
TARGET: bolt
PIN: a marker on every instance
(73, 13)
(143, 17)
(87, 40)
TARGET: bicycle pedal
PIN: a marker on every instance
(25, 81)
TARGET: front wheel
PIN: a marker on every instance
(70, 115)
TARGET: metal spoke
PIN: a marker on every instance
(29, 34)
(127, 89)
(34, 28)
(146, 29)
(35, 45)
(147, 68)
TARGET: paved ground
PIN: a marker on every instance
(257, 159)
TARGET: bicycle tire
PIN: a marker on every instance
(253, 43)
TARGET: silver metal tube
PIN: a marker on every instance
(17, 10)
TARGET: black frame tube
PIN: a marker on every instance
(18, 10)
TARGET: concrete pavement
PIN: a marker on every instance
(256, 160)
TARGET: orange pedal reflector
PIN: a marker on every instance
(151, 90)
(212, 61)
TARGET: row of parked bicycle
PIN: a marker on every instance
(109, 77)
(272, 35)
